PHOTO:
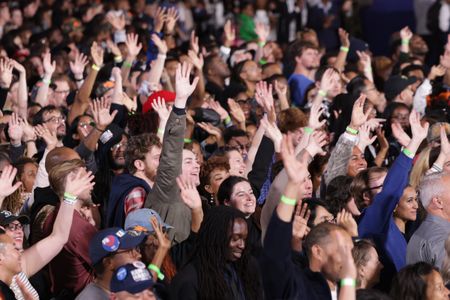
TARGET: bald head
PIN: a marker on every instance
(58, 156)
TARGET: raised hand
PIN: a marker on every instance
(6, 182)
(171, 19)
(28, 131)
(295, 170)
(50, 138)
(230, 33)
(159, 19)
(133, 45)
(15, 130)
(197, 60)
(364, 138)
(317, 140)
(160, 44)
(130, 104)
(419, 132)
(213, 131)
(159, 105)
(194, 43)
(400, 135)
(163, 239)
(17, 66)
(346, 220)
(183, 87)
(382, 140)
(189, 193)
(406, 33)
(116, 74)
(236, 111)
(79, 181)
(343, 37)
(280, 89)
(300, 224)
(214, 105)
(326, 82)
(97, 54)
(365, 59)
(48, 64)
(6, 68)
(264, 97)
(272, 132)
(436, 71)
(78, 65)
(314, 116)
(262, 31)
(100, 111)
(117, 22)
(113, 48)
(358, 115)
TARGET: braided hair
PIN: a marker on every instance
(211, 253)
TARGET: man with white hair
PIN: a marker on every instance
(427, 243)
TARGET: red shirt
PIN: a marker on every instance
(71, 269)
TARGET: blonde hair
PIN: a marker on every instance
(421, 166)
(58, 174)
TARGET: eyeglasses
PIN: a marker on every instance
(244, 101)
(56, 120)
(117, 146)
(14, 227)
(86, 124)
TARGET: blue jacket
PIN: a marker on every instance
(377, 222)
(121, 186)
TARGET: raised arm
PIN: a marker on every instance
(82, 99)
(191, 198)
(49, 68)
(40, 254)
(158, 65)
(395, 182)
(6, 182)
(343, 51)
(22, 97)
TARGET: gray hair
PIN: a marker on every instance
(431, 186)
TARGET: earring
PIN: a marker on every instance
(211, 200)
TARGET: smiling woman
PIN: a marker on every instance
(221, 267)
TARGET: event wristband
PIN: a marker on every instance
(348, 282)
(408, 153)
(351, 130)
(261, 44)
(46, 81)
(127, 64)
(405, 41)
(308, 130)
(187, 141)
(345, 49)
(70, 201)
(160, 130)
(118, 58)
(322, 93)
(288, 201)
(158, 272)
(95, 67)
(227, 120)
(262, 61)
(70, 196)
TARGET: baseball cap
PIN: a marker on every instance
(110, 240)
(396, 84)
(7, 217)
(132, 278)
(167, 96)
(434, 132)
(141, 218)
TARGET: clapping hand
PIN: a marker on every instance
(79, 181)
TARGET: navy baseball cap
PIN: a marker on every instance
(110, 240)
(396, 84)
(132, 278)
(141, 218)
(7, 217)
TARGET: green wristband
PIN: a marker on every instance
(70, 196)
(408, 153)
(405, 42)
(288, 201)
(308, 130)
(127, 64)
(351, 130)
(227, 120)
(345, 49)
(187, 141)
(154, 268)
(261, 44)
(262, 61)
(348, 282)
(322, 93)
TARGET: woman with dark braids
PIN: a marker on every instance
(220, 267)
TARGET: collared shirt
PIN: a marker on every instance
(427, 243)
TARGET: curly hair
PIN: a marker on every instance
(137, 147)
(214, 163)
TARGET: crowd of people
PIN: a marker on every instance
(221, 150)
